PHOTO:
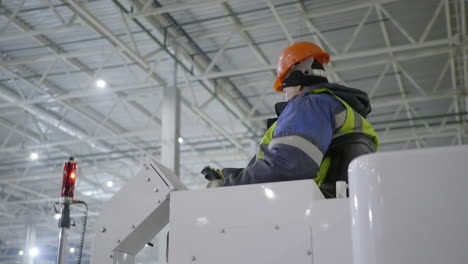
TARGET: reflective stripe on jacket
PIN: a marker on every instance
(293, 148)
(346, 121)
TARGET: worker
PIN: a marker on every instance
(321, 127)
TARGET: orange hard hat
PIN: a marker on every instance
(295, 53)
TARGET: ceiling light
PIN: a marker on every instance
(34, 252)
(34, 156)
(21, 253)
(57, 216)
(180, 139)
(100, 83)
(109, 184)
(72, 250)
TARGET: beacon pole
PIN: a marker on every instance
(68, 188)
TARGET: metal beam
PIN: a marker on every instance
(45, 116)
(244, 34)
(188, 104)
(51, 119)
(294, 19)
(40, 31)
(75, 63)
(393, 102)
(410, 51)
(85, 93)
(69, 55)
(36, 137)
(280, 21)
(174, 7)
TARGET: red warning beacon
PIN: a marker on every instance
(68, 181)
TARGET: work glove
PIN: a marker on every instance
(214, 176)
(215, 184)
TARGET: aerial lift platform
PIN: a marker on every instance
(403, 207)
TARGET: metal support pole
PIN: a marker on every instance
(464, 57)
(63, 235)
(170, 128)
(67, 192)
(64, 225)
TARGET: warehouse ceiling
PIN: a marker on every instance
(86, 79)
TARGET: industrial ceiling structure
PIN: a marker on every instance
(86, 79)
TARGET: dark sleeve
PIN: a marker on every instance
(275, 166)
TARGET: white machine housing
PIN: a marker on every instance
(287, 222)
(404, 207)
(134, 215)
(410, 206)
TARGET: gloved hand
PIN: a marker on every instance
(215, 184)
(212, 174)
(215, 176)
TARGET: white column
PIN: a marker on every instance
(170, 128)
(30, 243)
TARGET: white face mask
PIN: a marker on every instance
(290, 92)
